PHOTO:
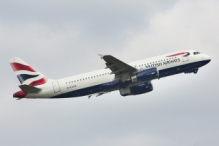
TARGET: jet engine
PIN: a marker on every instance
(136, 89)
(145, 75)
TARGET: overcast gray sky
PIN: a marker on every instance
(63, 38)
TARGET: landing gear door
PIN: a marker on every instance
(56, 87)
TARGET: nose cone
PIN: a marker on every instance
(206, 59)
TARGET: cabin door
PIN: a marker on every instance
(184, 59)
(56, 87)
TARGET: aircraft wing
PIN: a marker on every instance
(116, 66)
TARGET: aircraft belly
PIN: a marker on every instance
(180, 68)
(83, 88)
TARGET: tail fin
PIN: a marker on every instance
(26, 74)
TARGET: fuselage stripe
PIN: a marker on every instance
(38, 82)
(182, 53)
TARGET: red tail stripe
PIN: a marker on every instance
(38, 82)
(19, 94)
(18, 66)
(182, 53)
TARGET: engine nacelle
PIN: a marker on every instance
(145, 75)
(136, 89)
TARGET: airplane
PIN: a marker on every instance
(133, 78)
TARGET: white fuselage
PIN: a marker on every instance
(165, 64)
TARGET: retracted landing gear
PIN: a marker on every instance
(195, 71)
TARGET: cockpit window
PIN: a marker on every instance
(195, 53)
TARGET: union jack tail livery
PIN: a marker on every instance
(27, 75)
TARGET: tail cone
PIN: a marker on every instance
(19, 94)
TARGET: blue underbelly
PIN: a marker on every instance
(110, 86)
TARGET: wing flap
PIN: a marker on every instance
(116, 66)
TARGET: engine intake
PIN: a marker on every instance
(137, 89)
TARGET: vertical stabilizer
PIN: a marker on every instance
(26, 74)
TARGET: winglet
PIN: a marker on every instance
(101, 56)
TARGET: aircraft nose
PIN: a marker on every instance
(207, 58)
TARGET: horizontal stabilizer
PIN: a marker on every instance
(29, 89)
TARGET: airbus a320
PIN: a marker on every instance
(129, 78)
